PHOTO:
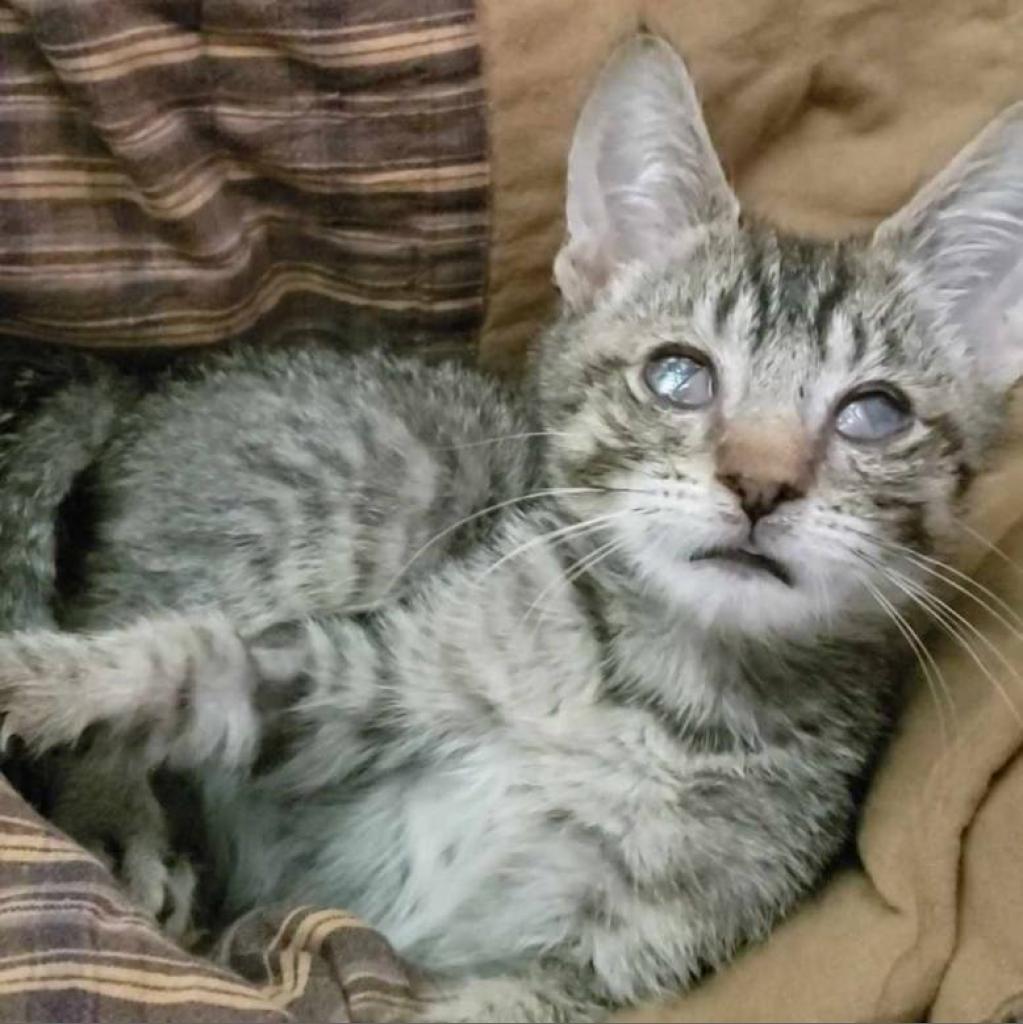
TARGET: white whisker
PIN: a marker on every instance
(937, 685)
(991, 546)
(942, 613)
(524, 436)
(950, 576)
(572, 529)
(496, 507)
(573, 572)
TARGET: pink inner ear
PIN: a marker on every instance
(579, 271)
(1000, 357)
(961, 237)
(641, 168)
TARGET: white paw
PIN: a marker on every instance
(113, 812)
(31, 707)
(161, 884)
(164, 886)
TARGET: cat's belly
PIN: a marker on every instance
(450, 867)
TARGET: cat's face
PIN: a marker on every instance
(774, 418)
(775, 430)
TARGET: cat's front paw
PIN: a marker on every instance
(36, 705)
(162, 884)
(113, 811)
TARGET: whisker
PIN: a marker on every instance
(496, 507)
(524, 436)
(949, 574)
(583, 566)
(572, 529)
(573, 572)
(946, 572)
(996, 615)
(991, 546)
(937, 685)
(942, 612)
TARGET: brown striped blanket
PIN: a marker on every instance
(72, 948)
(176, 173)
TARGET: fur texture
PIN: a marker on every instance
(572, 751)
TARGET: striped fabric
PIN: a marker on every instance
(72, 949)
(177, 172)
(321, 965)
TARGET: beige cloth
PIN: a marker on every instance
(827, 114)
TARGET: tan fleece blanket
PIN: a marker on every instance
(828, 115)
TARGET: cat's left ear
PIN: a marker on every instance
(642, 170)
(961, 238)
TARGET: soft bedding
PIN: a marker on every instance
(72, 948)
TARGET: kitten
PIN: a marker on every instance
(586, 745)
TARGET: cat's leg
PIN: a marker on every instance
(170, 689)
(540, 994)
(108, 805)
(166, 689)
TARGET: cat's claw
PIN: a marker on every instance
(113, 812)
(162, 885)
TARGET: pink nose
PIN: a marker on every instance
(765, 464)
(760, 496)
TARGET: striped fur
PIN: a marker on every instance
(578, 749)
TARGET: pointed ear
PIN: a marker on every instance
(961, 238)
(642, 169)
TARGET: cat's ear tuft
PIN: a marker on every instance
(641, 171)
(961, 238)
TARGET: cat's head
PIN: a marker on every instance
(776, 426)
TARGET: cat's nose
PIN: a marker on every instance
(759, 496)
(764, 464)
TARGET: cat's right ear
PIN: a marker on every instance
(961, 241)
(641, 172)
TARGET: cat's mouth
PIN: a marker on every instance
(745, 560)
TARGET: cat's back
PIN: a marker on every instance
(274, 483)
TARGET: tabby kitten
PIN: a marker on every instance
(574, 757)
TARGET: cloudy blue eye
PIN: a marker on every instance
(873, 416)
(680, 380)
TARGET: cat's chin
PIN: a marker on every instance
(732, 593)
(722, 594)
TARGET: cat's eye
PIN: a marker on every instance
(874, 415)
(680, 380)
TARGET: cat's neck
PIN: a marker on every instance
(728, 689)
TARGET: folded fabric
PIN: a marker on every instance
(323, 965)
(177, 174)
